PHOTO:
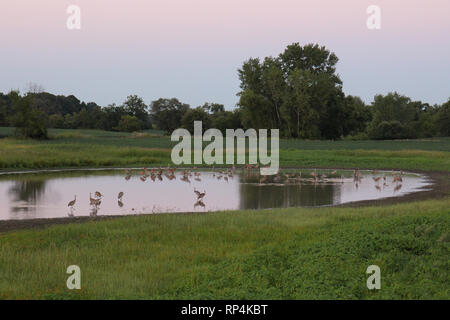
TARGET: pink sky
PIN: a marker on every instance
(191, 49)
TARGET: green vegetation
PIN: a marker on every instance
(29, 122)
(270, 254)
(95, 148)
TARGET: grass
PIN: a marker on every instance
(95, 148)
(270, 254)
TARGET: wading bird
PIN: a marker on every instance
(91, 200)
(120, 195)
(199, 194)
(72, 203)
(199, 203)
(98, 194)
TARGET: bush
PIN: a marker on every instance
(387, 130)
(197, 114)
(29, 121)
(129, 124)
(358, 136)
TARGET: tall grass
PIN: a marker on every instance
(269, 254)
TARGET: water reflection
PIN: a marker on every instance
(113, 192)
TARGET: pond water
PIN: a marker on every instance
(47, 194)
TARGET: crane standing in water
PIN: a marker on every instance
(72, 203)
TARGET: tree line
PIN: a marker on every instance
(297, 92)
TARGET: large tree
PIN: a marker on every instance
(135, 106)
(166, 114)
(29, 121)
(298, 92)
(393, 116)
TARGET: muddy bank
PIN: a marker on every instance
(439, 189)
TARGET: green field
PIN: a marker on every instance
(93, 148)
(293, 253)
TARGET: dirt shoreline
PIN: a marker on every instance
(440, 189)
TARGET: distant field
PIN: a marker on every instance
(96, 148)
(156, 139)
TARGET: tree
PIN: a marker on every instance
(213, 108)
(197, 114)
(56, 121)
(166, 114)
(357, 115)
(297, 92)
(129, 123)
(392, 112)
(135, 106)
(29, 121)
(443, 119)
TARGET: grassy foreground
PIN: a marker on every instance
(274, 254)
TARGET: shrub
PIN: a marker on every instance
(129, 123)
(386, 130)
(29, 121)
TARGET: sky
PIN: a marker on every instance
(192, 49)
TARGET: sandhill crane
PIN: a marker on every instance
(199, 194)
(397, 187)
(72, 203)
(199, 203)
(91, 200)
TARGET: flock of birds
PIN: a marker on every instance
(158, 174)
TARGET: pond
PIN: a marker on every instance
(46, 194)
